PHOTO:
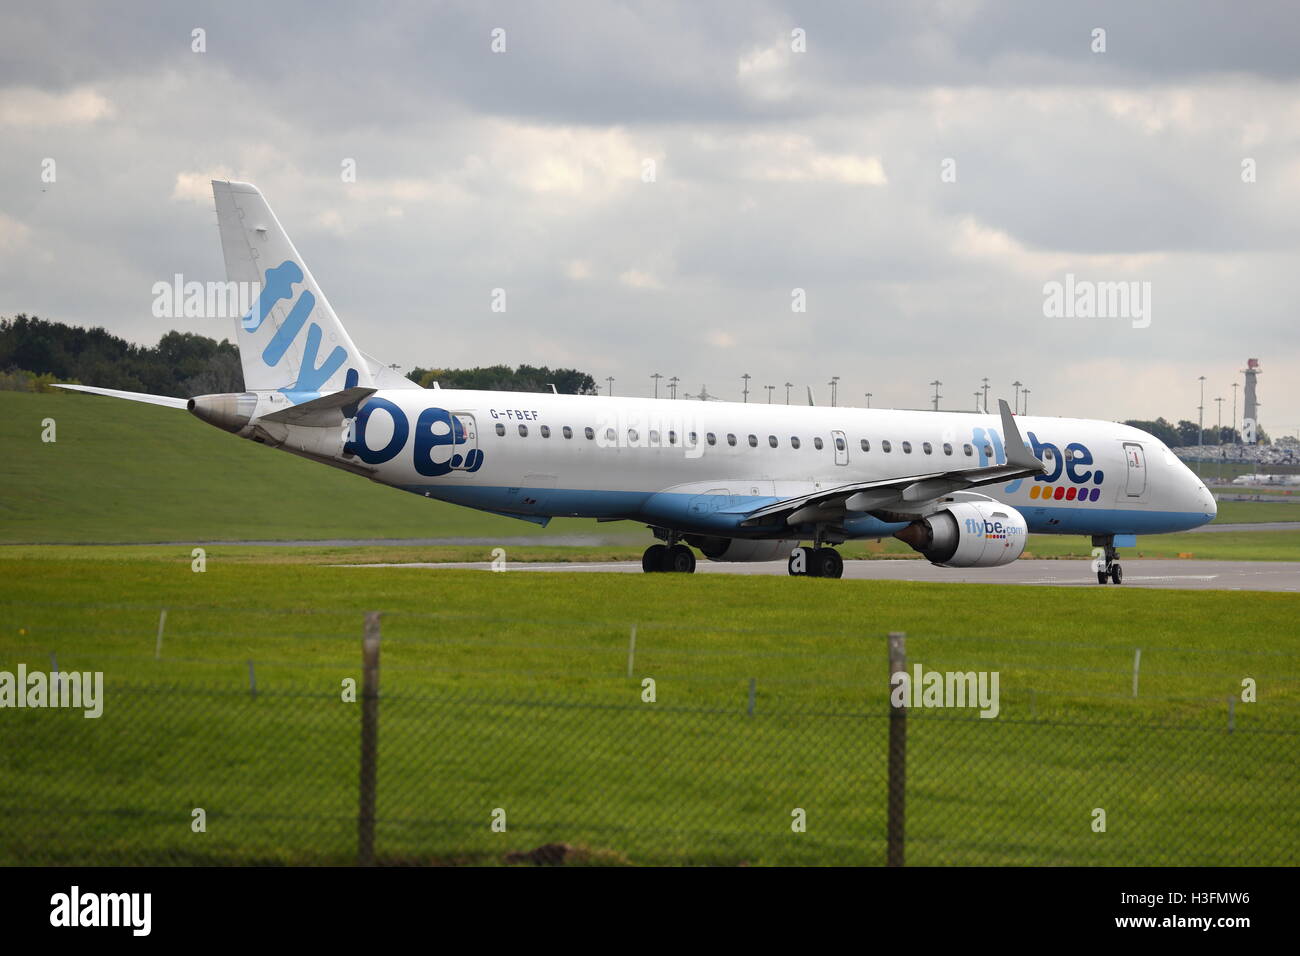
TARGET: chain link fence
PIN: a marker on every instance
(173, 774)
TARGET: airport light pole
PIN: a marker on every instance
(977, 399)
(986, 395)
(868, 399)
(746, 377)
(770, 389)
(610, 380)
(834, 384)
(672, 386)
(1016, 404)
(1220, 430)
(656, 376)
(1025, 394)
(936, 383)
(1200, 416)
(1235, 385)
(788, 386)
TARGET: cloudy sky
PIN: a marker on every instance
(828, 168)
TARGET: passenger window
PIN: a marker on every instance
(654, 436)
(693, 438)
(988, 451)
(589, 432)
(501, 429)
(523, 431)
(672, 438)
(711, 438)
(568, 432)
(794, 441)
(886, 447)
(771, 440)
(947, 448)
(631, 436)
(839, 444)
(967, 450)
(546, 431)
(866, 445)
(611, 435)
(907, 448)
(927, 447)
(731, 439)
(753, 441)
(817, 443)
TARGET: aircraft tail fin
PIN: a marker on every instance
(291, 340)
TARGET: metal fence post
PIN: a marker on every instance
(897, 754)
(369, 740)
(162, 623)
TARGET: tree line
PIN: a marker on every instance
(1185, 433)
(35, 352)
(502, 378)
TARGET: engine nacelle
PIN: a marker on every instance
(968, 534)
(742, 549)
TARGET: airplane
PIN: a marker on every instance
(1266, 480)
(737, 481)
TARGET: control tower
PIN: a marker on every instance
(1250, 417)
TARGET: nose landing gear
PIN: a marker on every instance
(1108, 568)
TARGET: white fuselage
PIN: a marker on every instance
(700, 467)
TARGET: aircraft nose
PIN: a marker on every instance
(1211, 506)
(1203, 499)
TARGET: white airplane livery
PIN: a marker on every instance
(738, 482)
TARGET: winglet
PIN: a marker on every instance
(1018, 452)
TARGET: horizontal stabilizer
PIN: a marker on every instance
(326, 410)
(129, 396)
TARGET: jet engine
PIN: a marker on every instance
(742, 549)
(968, 534)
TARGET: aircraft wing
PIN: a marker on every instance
(907, 493)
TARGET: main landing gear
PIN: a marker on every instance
(675, 558)
(816, 563)
(1111, 571)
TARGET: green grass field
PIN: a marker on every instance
(511, 691)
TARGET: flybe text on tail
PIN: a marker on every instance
(279, 284)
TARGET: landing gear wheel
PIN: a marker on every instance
(680, 559)
(799, 563)
(829, 563)
(655, 559)
(1110, 570)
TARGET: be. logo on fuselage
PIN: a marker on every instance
(441, 444)
(1073, 467)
